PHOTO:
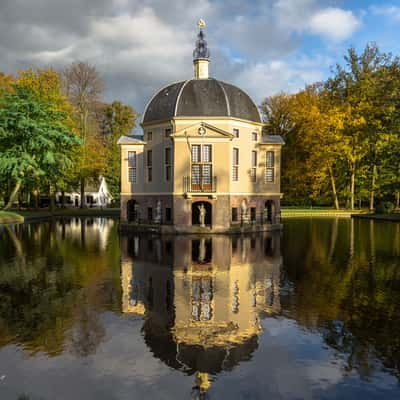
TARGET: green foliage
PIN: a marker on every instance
(342, 136)
(35, 141)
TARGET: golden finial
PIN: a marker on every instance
(201, 23)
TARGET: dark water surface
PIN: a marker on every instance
(312, 313)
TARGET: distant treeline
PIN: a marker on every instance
(57, 133)
(342, 135)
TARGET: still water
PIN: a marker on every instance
(312, 313)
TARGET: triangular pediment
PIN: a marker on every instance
(203, 129)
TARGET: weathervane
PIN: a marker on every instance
(201, 23)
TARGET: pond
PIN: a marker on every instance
(309, 313)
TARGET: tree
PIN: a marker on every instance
(362, 90)
(46, 84)
(84, 87)
(35, 141)
(115, 119)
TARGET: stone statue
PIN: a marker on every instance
(265, 215)
(202, 215)
(157, 217)
(243, 208)
(202, 250)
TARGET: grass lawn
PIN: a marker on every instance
(318, 211)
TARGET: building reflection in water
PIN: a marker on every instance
(202, 298)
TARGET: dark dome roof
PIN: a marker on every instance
(200, 98)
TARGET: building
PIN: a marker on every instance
(203, 297)
(204, 163)
(96, 195)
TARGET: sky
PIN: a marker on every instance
(262, 46)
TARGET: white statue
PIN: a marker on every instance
(157, 218)
(243, 208)
(202, 215)
(202, 250)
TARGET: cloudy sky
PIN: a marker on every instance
(263, 46)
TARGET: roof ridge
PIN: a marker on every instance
(228, 106)
(179, 96)
(155, 95)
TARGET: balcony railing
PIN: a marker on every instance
(204, 184)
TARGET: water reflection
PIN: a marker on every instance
(314, 312)
(202, 298)
(53, 283)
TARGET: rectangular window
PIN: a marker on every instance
(168, 173)
(149, 158)
(149, 165)
(207, 156)
(270, 167)
(254, 136)
(132, 166)
(168, 214)
(195, 153)
(234, 214)
(202, 167)
(252, 214)
(167, 156)
(253, 170)
(270, 159)
(149, 136)
(235, 164)
(167, 160)
(168, 132)
(236, 132)
(132, 175)
(149, 214)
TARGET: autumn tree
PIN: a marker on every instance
(362, 89)
(84, 89)
(46, 84)
(115, 119)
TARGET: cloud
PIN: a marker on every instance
(140, 46)
(265, 79)
(392, 12)
(334, 23)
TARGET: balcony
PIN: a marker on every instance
(205, 184)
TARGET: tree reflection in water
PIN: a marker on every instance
(51, 284)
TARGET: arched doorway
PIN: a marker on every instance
(196, 206)
(269, 211)
(132, 211)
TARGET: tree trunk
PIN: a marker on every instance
(13, 195)
(334, 192)
(52, 196)
(352, 186)
(63, 199)
(372, 192)
(36, 199)
(398, 200)
(83, 199)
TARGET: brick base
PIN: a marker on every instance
(258, 211)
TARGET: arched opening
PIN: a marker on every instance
(201, 212)
(269, 211)
(132, 211)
